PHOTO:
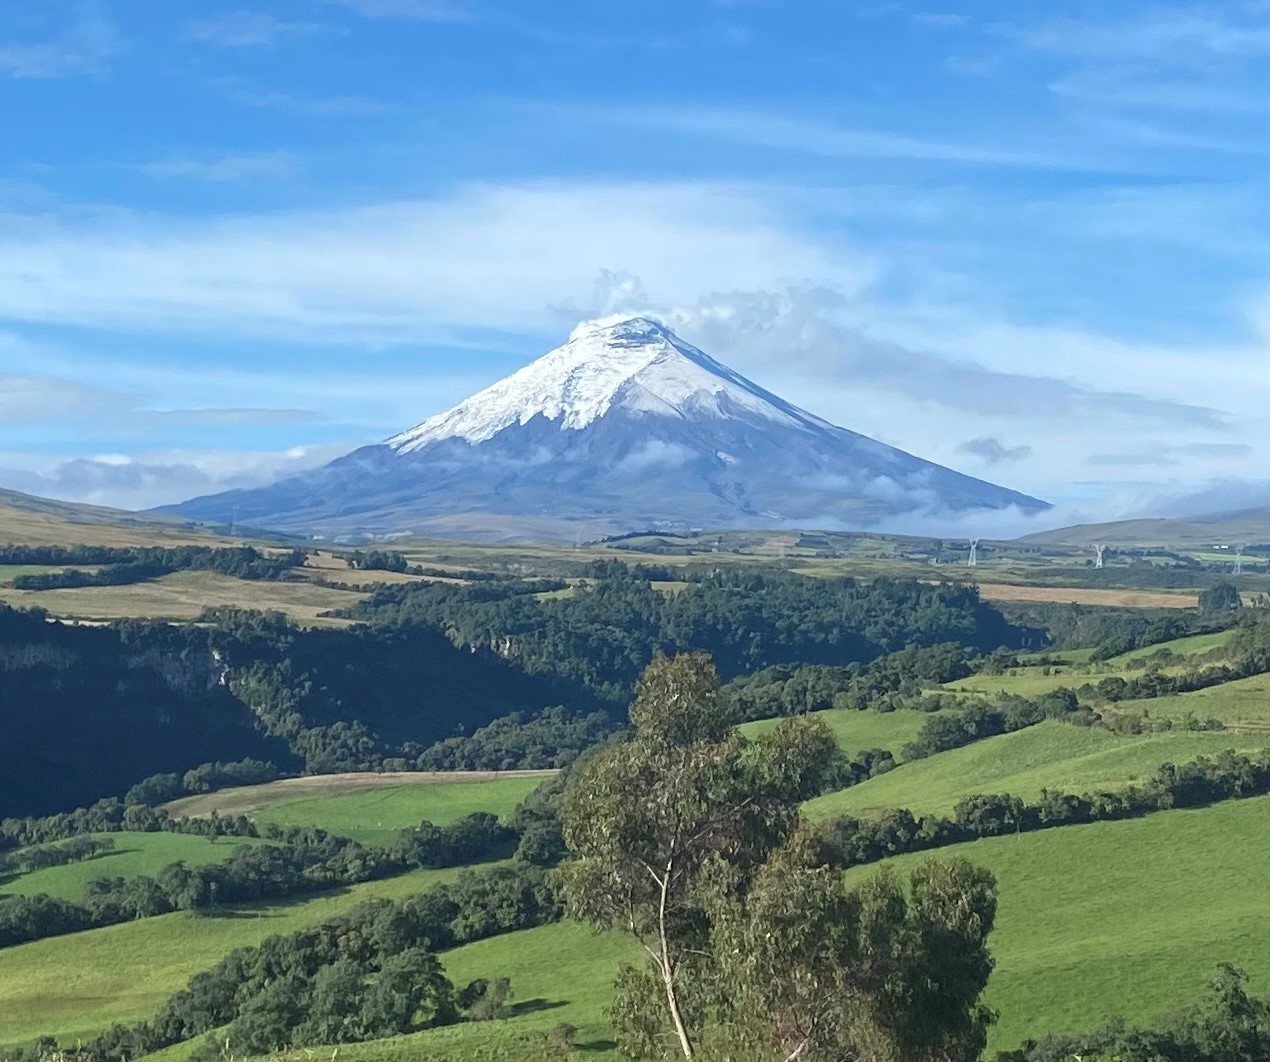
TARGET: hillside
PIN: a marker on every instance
(1221, 529)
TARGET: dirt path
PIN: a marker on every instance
(239, 800)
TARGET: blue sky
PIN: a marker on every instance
(1027, 240)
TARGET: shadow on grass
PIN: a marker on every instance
(534, 1006)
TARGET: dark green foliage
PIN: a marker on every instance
(40, 857)
(1229, 1026)
(1110, 630)
(553, 738)
(606, 632)
(1219, 599)
(954, 729)
(383, 560)
(88, 711)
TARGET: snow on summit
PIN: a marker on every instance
(632, 363)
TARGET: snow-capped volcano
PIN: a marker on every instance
(624, 427)
(632, 363)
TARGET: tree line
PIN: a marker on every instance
(1203, 781)
(134, 564)
(298, 860)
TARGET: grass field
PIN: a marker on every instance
(1244, 703)
(133, 854)
(183, 595)
(74, 986)
(365, 806)
(1193, 645)
(1050, 755)
(373, 816)
(857, 731)
(1126, 918)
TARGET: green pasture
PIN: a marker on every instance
(75, 986)
(373, 816)
(856, 731)
(1121, 918)
(1242, 703)
(133, 854)
(1050, 755)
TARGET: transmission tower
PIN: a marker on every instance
(233, 523)
(1239, 561)
(1099, 550)
(973, 559)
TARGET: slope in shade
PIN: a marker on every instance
(624, 427)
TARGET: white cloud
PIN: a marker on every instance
(414, 10)
(497, 257)
(147, 479)
(798, 133)
(85, 49)
(227, 168)
(246, 29)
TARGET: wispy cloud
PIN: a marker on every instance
(85, 49)
(247, 29)
(147, 479)
(1139, 88)
(414, 10)
(227, 168)
(813, 137)
(306, 106)
(992, 451)
(1188, 36)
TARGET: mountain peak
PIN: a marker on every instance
(634, 363)
(622, 325)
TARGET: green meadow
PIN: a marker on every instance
(1117, 918)
(1245, 702)
(76, 985)
(373, 816)
(856, 731)
(1050, 755)
(1121, 918)
(133, 854)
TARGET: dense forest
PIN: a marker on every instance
(91, 711)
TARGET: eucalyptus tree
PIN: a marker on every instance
(687, 836)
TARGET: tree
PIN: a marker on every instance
(1219, 598)
(687, 836)
(646, 817)
(876, 973)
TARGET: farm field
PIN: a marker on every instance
(1085, 595)
(183, 596)
(1051, 755)
(1193, 645)
(365, 806)
(373, 816)
(856, 731)
(74, 986)
(1127, 918)
(1079, 937)
(1244, 703)
(133, 854)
